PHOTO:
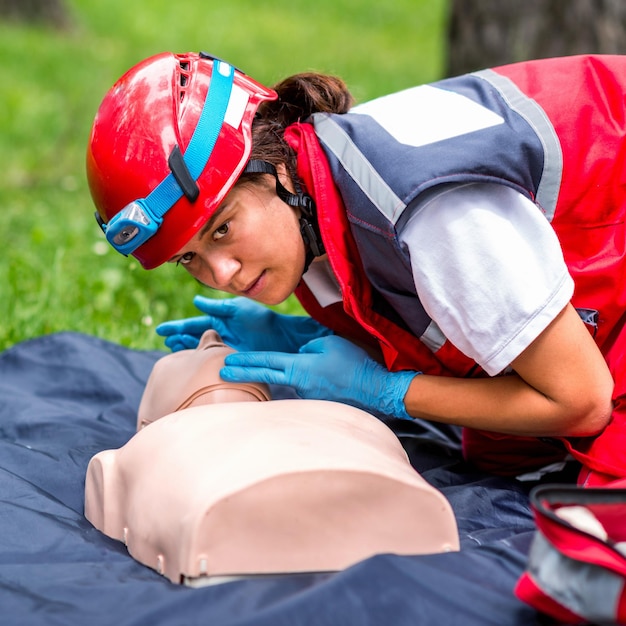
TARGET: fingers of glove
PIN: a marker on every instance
(295, 370)
(236, 374)
(181, 342)
(168, 328)
(230, 307)
(174, 345)
(190, 325)
(263, 367)
(215, 306)
(238, 316)
(266, 360)
(333, 344)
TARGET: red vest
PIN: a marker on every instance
(584, 101)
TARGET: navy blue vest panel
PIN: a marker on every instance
(381, 177)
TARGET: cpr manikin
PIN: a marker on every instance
(219, 481)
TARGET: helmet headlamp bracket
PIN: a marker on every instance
(183, 176)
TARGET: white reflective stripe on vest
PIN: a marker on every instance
(433, 338)
(548, 190)
(360, 169)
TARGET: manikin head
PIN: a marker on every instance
(228, 484)
(191, 378)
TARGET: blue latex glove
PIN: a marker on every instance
(328, 368)
(242, 324)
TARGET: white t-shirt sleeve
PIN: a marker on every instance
(488, 269)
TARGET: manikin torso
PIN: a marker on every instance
(219, 480)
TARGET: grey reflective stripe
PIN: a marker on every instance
(588, 590)
(548, 190)
(359, 168)
(433, 338)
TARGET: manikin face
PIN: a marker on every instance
(250, 247)
(190, 378)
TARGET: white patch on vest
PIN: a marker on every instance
(423, 115)
(322, 283)
(236, 107)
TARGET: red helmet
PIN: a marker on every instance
(168, 143)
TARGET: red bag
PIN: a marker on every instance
(576, 569)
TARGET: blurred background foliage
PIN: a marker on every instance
(56, 273)
(59, 57)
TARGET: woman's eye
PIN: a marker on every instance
(221, 231)
(186, 258)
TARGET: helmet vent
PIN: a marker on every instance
(183, 78)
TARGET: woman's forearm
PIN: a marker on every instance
(504, 404)
(561, 387)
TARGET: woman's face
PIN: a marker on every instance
(250, 247)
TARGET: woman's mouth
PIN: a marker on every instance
(255, 288)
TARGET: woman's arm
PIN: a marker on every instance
(561, 387)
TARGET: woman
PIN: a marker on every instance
(461, 244)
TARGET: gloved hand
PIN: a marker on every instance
(327, 368)
(242, 324)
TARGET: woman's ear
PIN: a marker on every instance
(284, 178)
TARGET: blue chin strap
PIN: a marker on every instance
(141, 219)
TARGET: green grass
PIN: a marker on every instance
(55, 272)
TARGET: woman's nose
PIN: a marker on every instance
(221, 269)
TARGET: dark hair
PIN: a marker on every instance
(299, 96)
